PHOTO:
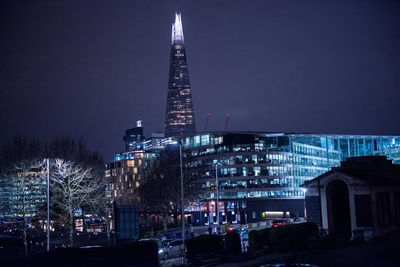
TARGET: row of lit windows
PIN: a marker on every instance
(313, 144)
(121, 185)
(247, 171)
(309, 171)
(132, 155)
(256, 194)
(243, 159)
(121, 171)
(254, 183)
(229, 149)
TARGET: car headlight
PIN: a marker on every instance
(160, 250)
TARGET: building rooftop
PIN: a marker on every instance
(266, 133)
(374, 170)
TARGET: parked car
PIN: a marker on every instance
(276, 223)
(173, 249)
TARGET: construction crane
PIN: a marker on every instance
(206, 125)
(227, 121)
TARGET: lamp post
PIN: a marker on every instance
(216, 186)
(182, 202)
(48, 203)
(182, 199)
(305, 207)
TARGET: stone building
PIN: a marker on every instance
(358, 200)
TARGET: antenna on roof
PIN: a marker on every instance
(227, 121)
(206, 125)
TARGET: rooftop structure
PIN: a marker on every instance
(177, 30)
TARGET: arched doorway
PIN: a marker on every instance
(337, 200)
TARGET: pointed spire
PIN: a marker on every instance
(177, 30)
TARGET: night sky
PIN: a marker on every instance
(90, 69)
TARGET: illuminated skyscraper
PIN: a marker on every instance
(179, 116)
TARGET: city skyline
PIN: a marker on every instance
(331, 68)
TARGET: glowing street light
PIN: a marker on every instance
(182, 198)
(216, 185)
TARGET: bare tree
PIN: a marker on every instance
(73, 187)
(160, 189)
(102, 206)
(101, 203)
(23, 179)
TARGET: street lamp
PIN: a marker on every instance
(48, 203)
(182, 199)
(216, 185)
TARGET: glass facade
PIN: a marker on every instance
(17, 198)
(258, 165)
(134, 138)
(179, 115)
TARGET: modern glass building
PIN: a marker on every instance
(125, 173)
(134, 138)
(179, 115)
(18, 198)
(260, 174)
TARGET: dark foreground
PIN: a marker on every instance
(362, 254)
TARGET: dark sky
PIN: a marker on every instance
(92, 68)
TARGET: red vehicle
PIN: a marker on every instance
(276, 223)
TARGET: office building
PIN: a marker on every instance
(179, 114)
(134, 138)
(261, 174)
(125, 173)
(22, 194)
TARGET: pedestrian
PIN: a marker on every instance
(209, 230)
(191, 230)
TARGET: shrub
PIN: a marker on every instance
(263, 237)
(259, 238)
(253, 238)
(144, 253)
(293, 236)
(203, 244)
(232, 242)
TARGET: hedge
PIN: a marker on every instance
(203, 244)
(131, 254)
(285, 238)
(232, 242)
